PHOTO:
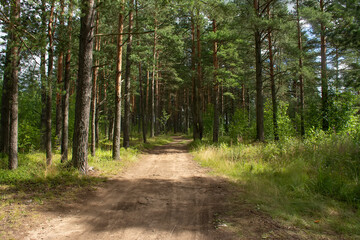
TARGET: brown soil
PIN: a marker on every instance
(166, 195)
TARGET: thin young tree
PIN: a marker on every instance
(216, 87)
(272, 79)
(117, 125)
(60, 75)
(301, 76)
(153, 116)
(324, 81)
(94, 88)
(66, 97)
(127, 111)
(47, 135)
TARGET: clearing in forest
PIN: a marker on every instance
(166, 195)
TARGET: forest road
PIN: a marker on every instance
(165, 195)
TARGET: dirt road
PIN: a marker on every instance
(165, 195)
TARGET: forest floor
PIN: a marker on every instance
(165, 195)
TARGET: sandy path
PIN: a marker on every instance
(165, 195)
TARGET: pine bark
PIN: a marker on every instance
(13, 100)
(216, 88)
(83, 95)
(127, 111)
(117, 128)
(66, 97)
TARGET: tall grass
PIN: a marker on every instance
(313, 183)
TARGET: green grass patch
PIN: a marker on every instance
(313, 184)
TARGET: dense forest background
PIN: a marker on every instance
(81, 74)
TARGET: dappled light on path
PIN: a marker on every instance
(164, 196)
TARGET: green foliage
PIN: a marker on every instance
(285, 125)
(341, 111)
(164, 119)
(208, 121)
(239, 126)
(295, 180)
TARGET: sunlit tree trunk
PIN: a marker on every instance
(216, 88)
(127, 111)
(83, 94)
(14, 75)
(47, 136)
(117, 127)
(66, 97)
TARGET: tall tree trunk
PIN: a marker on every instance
(60, 67)
(13, 101)
(272, 81)
(142, 108)
(5, 117)
(43, 72)
(259, 84)
(216, 89)
(127, 81)
(147, 94)
(196, 134)
(49, 86)
(187, 115)
(94, 88)
(301, 76)
(324, 81)
(199, 79)
(66, 97)
(83, 95)
(117, 128)
(153, 117)
(157, 96)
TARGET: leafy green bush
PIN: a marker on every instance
(285, 125)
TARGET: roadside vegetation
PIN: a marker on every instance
(312, 183)
(33, 183)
